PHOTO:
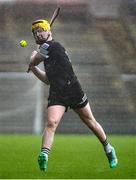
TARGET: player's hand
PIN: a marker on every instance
(29, 68)
(35, 60)
(32, 61)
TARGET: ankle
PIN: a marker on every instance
(45, 151)
(107, 146)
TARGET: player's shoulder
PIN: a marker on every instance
(56, 45)
(51, 46)
(44, 46)
(48, 45)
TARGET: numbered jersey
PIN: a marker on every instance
(57, 66)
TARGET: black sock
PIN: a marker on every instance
(105, 143)
(45, 150)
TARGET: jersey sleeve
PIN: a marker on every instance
(44, 49)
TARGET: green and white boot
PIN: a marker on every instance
(43, 161)
(112, 158)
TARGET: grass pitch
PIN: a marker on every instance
(72, 157)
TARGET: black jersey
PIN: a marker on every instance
(65, 89)
(57, 66)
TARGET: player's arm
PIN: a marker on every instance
(35, 59)
(41, 75)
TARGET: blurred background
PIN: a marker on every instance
(100, 37)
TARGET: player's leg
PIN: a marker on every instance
(87, 117)
(54, 115)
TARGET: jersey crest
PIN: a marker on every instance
(45, 46)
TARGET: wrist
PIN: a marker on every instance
(33, 68)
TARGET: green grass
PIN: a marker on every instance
(72, 157)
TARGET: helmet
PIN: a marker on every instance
(41, 23)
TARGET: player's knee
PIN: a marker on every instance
(52, 123)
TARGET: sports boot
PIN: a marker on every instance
(112, 158)
(43, 161)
